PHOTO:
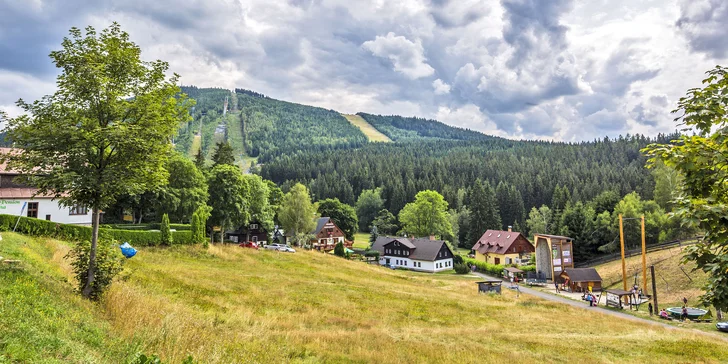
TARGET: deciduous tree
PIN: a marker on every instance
(370, 202)
(105, 132)
(700, 160)
(297, 213)
(426, 216)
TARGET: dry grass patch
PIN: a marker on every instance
(229, 304)
(371, 132)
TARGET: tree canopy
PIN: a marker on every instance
(426, 216)
(370, 202)
(702, 199)
(106, 131)
(297, 213)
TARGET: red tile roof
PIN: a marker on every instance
(496, 241)
(20, 193)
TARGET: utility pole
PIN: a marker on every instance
(621, 245)
(644, 257)
(654, 290)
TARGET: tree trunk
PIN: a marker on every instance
(86, 292)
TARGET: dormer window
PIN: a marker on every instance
(508, 237)
(499, 235)
(491, 234)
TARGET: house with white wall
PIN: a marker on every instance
(19, 199)
(421, 254)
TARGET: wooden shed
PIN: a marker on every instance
(582, 279)
(489, 286)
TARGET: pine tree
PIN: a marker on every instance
(223, 154)
(200, 160)
(166, 233)
(484, 212)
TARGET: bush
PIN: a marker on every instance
(495, 270)
(166, 234)
(37, 227)
(528, 268)
(461, 268)
(372, 253)
(339, 250)
(108, 264)
(457, 259)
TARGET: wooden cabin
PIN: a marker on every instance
(582, 279)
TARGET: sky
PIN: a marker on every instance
(525, 69)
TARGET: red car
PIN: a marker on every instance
(249, 244)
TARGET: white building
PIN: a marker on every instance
(17, 199)
(425, 255)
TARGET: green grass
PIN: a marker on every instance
(361, 240)
(229, 304)
(196, 145)
(371, 133)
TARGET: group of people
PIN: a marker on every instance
(589, 297)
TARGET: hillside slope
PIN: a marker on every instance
(372, 134)
(400, 128)
(672, 282)
(230, 304)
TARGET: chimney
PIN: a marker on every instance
(510, 228)
(432, 237)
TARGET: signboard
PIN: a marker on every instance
(8, 204)
(557, 269)
(216, 228)
(613, 300)
(557, 262)
(567, 261)
(566, 253)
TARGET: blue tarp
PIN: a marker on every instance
(127, 250)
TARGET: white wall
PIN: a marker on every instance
(427, 266)
(13, 206)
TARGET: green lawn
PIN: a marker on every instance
(228, 304)
(361, 240)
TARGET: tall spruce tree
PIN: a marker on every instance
(484, 212)
(223, 154)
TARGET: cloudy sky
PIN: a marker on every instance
(556, 69)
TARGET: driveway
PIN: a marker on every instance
(584, 306)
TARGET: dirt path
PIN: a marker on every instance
(583, 306)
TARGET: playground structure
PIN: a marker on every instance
(553, 254)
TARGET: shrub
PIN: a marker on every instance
(165, 233)
(372, 253)
(108, 264)
(457, 259)
(461, 268)
(339, 250)
(528, 268)
(495, 270)
(37, 227)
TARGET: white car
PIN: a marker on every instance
(280, 248)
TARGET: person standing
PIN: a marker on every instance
(556, 284)
(685, 301)
(649, 307)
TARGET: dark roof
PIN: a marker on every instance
(422, 248)
(320, 224)
(496, 241)
(554, 236)
(582, 274)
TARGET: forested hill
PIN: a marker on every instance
(525, 174)
(400, 128)
(258, 126)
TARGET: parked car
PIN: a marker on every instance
(273, 246)
(286, 249)
(722, 326)
(249, 244)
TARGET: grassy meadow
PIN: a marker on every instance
(229, 304)
(371, 133)
(672, 283)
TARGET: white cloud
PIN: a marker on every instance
(440, 87)
(407, 57)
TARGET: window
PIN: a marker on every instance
(78, 210)
(33, 209)
(253, 226)
(496, 260)
(48, 217)
(255, 238)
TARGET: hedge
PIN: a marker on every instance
(495, 270)
(37, 227)
(152, 226)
